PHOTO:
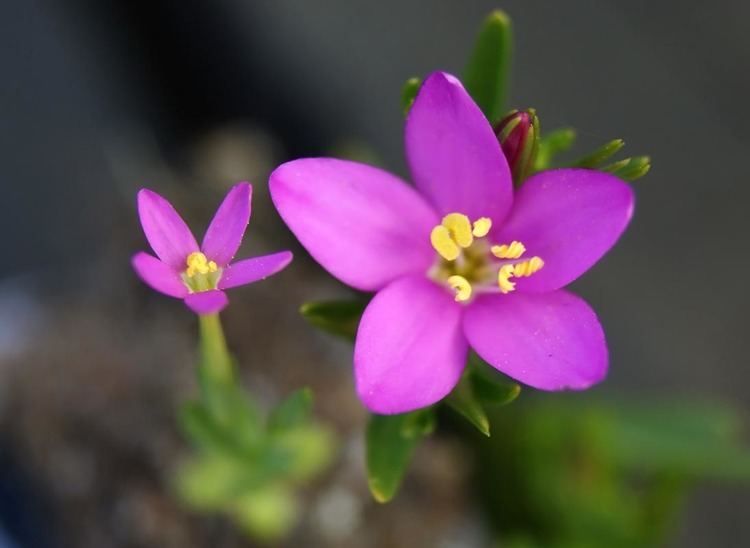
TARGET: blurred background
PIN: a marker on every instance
(100, 98)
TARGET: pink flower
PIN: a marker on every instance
(199, 275)
(459, 261)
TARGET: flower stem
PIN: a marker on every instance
(216, 364)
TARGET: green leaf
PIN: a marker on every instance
(337, 317)
(630, 169)
(488, 385)
(409, 92)
(267, 514)
(600, 154)
(197, 424)
(494, 392)
(391, 440)
(292, 412)
(463, 400)
(487, 73)
(699, 441)
(551, 145)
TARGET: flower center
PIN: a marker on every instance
(200, 274)
(468, 262)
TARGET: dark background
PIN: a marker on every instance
(99, 98)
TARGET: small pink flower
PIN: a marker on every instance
(199, 275)
(461, 260)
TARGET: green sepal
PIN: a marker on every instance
(409, 92)
(551, 145)
(487, 73)
(600, 155)
(391, 440)
(463, 400)
(336, 317)
(629, 169)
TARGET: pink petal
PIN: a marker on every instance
(455, 158)
(410, 350)
(224, 234)
(362, 224)
(169, 236)
(158, 275)
(207, 302)
(570, 218)
(251, 270)
(551, 341)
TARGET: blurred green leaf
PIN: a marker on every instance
(337, 317)
(697, 441)
(409, 92)
(292, 412)
(391, 440)
(487, 73)
(300, 453)
(630, 169)
(551, 145)
(267, 514)
(198, 426)
(209, 481)
(600, 154)
(463, 400)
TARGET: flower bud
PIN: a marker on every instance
(518, 134)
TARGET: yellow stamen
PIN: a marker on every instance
(512, 251)
(444, 244)
(461, 286)
(481, 227)
(527, 268)
(459, 227)
(198, 263)
(503, 278)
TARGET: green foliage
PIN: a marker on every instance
(601, 154)
(576, 474)
(487, 72)
(246, 466)
(551, 145)
(336, 317)
(409, 92)
(391, 440)
(481, 386)
(630, 169)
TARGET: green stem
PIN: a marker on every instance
(216, 364)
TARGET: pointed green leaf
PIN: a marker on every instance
(409, 92)
(494, 392)
(464, 401)
(488, 385)
(391, 440)
(600, 154)
(487, 73)
(630, 169)
(292, 412)
(551, 145)
(337, 317)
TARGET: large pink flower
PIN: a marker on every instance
(199, 275)
(459, 261)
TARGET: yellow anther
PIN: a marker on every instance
(481, 227)
(443, 243)
(527, 268)
(505, 251)
(503, 278)
(461, 286)
(459, 227)
(198, 263)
